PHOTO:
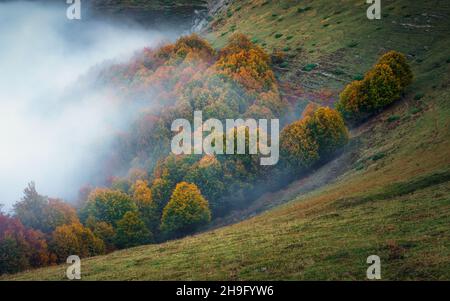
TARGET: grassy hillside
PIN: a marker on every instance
(390, 190)
(329, 43)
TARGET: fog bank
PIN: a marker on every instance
(48, 135)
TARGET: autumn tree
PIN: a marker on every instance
(13, 256)
(399, 65)
(208, 176)
(43, 213)
(329, 130)
(59, 213)
(132, 231)
(298, 147)
(246, 63)
(186, 211)
(108, 205)
(21, 247)
(161, 191)
(148, 209)
(317, 136)
(381, 86)
(75, 239)
(31, 209)
(103, 231)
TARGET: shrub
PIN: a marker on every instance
(393, 118)
(353, 103)
(186, 211)
(303, 9)
(419, 96)
(309, 67)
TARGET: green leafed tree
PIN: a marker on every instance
(108, 205)
(132, 231)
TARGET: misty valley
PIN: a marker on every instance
(223, 140)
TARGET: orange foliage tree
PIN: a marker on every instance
(75, 239)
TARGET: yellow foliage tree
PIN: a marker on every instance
(398, 63)
(313, 138)
(298, 147)
(329, 130)
(143, 197)
(381, 86)
(186, 211)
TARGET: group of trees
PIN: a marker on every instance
(381, 86)
(186, 76)
(42, 231)
(165, 196)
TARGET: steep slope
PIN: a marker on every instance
(390, 190)
(394, 203)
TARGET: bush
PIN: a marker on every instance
(186, 211)
(353, 103)
(309, 67)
